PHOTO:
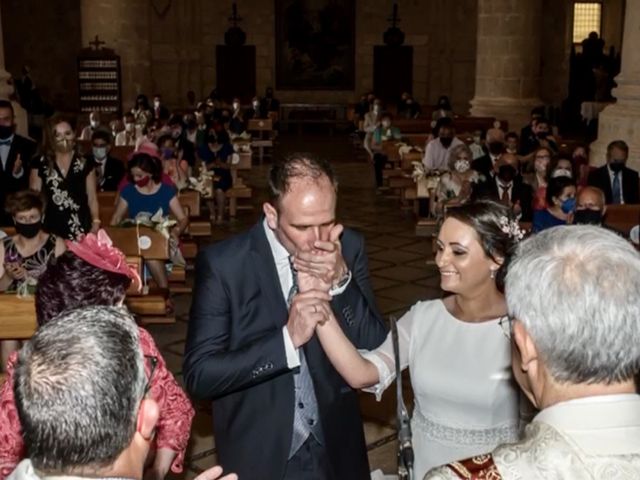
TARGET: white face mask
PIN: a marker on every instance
(129, 127)
(156, 103)
(99, 153)
(461, 166)
(376, 109)
(236, 106)
(386, 124)
(256, 105)
(561, 172)
(477, 140)
(94, 123)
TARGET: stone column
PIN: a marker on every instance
(124, 26)
(508, 60)
(621, 121)
(6, 90)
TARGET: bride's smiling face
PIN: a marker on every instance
(463, 264)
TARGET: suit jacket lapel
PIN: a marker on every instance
(267, 275)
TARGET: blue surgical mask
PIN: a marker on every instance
(568, 206)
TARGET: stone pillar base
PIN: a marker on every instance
(620, 121)
(515, 111)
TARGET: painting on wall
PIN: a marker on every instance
(315, 44)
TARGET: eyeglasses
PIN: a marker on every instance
(506, 323)
(152, 363)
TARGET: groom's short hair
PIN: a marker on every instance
(297, 165)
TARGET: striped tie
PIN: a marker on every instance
(305, 419)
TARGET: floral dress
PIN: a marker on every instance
(34, 265)
(67, 214)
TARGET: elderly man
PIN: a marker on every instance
(572, 294)
(251, 345)
(590, 207)
(80, 388)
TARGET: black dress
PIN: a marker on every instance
(67, 212)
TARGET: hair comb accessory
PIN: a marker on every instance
(98, 250)
(511, 228)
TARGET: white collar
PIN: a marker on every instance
(280, 254)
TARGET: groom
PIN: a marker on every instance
(280, 409)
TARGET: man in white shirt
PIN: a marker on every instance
(436, 154)
(128, 137)
(572, 296)
(251, 345)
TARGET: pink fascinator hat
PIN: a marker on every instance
(98, 250)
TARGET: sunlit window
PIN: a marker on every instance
(586, 19)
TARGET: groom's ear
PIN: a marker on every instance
(271, 215)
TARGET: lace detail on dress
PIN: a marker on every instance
(11, 444)
(176, 411)
(456, 436)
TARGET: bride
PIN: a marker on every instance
(459, 359)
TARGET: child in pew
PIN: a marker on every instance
(145, 195)
(93, 272)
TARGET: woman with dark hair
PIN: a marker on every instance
(25, 255)
(458, 355)
(146, 195)
(91, 273)
(561, 202)
(68, 181)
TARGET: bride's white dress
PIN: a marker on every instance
(466, 401)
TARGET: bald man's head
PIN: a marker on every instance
(590, 207)
(591, 198)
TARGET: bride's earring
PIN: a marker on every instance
(493, 273)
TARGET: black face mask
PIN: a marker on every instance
(496, 148)
(507, 173)
(5, 131)
(28, 230)
(446, 141)
(616, 166)
(587, 217)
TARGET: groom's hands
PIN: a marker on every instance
(324, 261)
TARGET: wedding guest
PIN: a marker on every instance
(25, 255)
(16, 154)
(68, 182)
(109, 170)
(91, 397)
(94, 125)
(94, 273)
(128, 137)
(561, 201)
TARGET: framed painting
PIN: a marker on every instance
(315, 44)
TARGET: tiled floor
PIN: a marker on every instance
(401, 274)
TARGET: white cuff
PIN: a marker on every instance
(342, 286)
(19, 174)
(385, 375)
(293, 358)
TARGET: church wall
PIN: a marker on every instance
(46, 37)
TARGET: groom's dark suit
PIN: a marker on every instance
(235, 355)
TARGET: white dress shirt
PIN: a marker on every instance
(436, 156)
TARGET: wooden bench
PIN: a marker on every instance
(17, 319)
(262, 130)
(622, 217)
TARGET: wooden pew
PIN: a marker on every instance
(239, 189)
(262, 130)
(17, 317)
(622, 217)
(139, 244)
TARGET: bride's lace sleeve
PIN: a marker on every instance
(383, 357)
